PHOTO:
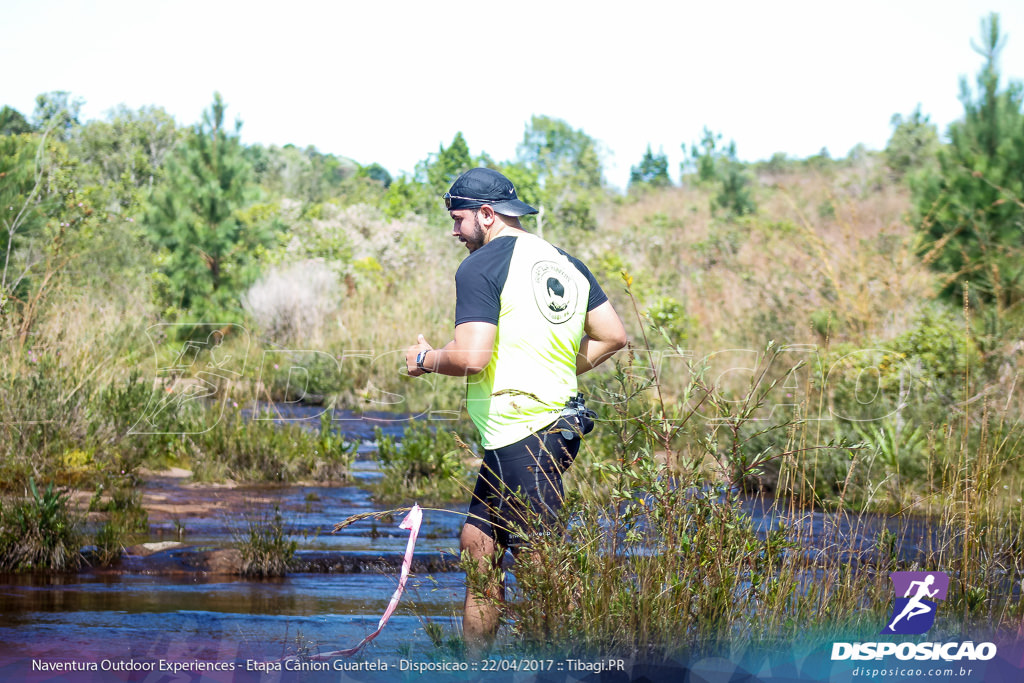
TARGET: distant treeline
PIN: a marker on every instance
(193, 206)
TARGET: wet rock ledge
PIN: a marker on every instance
(173, 559)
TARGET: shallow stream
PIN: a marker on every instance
(170, 605)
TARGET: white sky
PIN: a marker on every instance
(390, 81)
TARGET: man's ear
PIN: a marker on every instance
(486, 215)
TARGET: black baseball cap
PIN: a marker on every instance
(479, 186)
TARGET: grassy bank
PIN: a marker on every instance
(661, 558)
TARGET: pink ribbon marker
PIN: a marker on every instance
(411, 522)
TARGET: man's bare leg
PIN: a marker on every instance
(481, 616)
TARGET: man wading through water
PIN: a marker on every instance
(529, 318)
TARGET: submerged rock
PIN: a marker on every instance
(147, 549)
(360, 563)
(183, 560)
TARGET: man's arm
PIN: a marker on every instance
(604, 335)
(467, 354)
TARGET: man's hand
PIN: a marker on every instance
(467, 354)
(412, 352)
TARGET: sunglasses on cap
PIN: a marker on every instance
(448, 197)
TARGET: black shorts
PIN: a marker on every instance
(519, 488)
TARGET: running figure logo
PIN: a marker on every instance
(914, 612)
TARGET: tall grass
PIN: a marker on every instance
(266, 551)
(659, 554)
(39, 533)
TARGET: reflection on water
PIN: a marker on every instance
(103, 616)
(295, 595)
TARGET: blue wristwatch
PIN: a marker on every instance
(420, 357)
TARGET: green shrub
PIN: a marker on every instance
(43, 413)
(266, 550)
(898, 454)
(110, 542)
(262, 450)
(424, 465)
(668, 316)
(939, 351)
(39, 533)
(306, 376)
(923, 369)
(126, 518)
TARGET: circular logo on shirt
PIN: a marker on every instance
(555, 292)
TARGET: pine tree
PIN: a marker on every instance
(652, 171)
(12, 122)
(449, 163)
(914, 144)
(206, 250)
(714, 165)
(972, 208)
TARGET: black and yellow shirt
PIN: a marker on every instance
(538, 296)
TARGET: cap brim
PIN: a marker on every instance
(512, 207)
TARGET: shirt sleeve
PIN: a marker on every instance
(477, 294)
(597, 295)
